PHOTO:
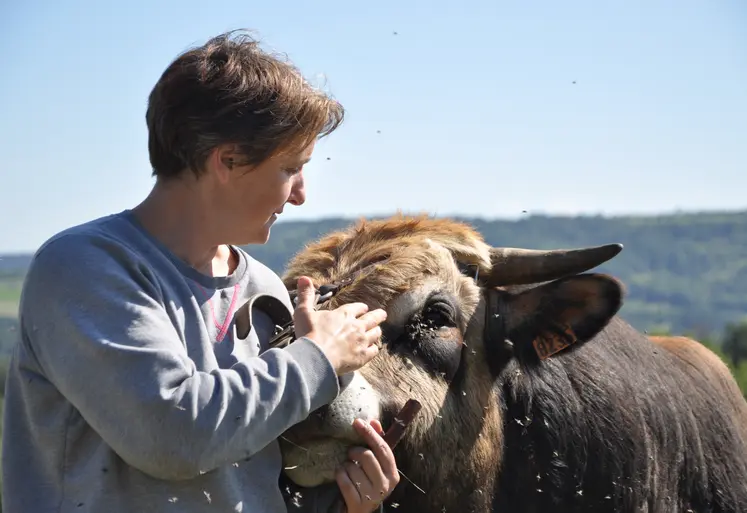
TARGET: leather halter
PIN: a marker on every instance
(493, 320)
(285, 333)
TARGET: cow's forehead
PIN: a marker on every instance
(411, 244)
(413, 267)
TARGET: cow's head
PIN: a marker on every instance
(459, 313)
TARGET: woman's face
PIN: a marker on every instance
(254, 197)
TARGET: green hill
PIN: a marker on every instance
(684, 272)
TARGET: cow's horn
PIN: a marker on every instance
(514, 266)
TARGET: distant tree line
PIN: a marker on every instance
(682, 272)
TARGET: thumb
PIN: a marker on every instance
(305, 292)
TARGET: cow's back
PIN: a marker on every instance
(702, 363)
(624, 424)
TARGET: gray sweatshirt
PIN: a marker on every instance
(130, 390)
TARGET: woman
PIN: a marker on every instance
(131, 389)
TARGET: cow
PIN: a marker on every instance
(536, 395)
(699, 359)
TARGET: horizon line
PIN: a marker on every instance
(524, 216)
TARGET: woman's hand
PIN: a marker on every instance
(371, 474)
(349, 335)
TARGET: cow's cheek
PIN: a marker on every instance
(441, 352)
(397, 378)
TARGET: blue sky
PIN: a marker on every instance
(475, 102)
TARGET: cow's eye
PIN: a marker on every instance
(439, 314)
(432, 338)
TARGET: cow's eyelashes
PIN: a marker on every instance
(439, 314)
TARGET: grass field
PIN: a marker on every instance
(8, 308)
(10, 293)
(10, 288)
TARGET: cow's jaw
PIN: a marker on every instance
(312, 460)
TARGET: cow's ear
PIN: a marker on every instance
(551, 317)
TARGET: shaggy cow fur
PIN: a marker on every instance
(616, 422)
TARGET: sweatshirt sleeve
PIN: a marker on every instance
(95, 320)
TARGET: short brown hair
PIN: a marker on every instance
(230, 91)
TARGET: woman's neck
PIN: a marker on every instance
(178, 215)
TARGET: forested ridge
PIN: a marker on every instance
(683, 272)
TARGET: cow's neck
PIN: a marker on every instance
(447, 496)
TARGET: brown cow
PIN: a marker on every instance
(700, 360)
(536, 396)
